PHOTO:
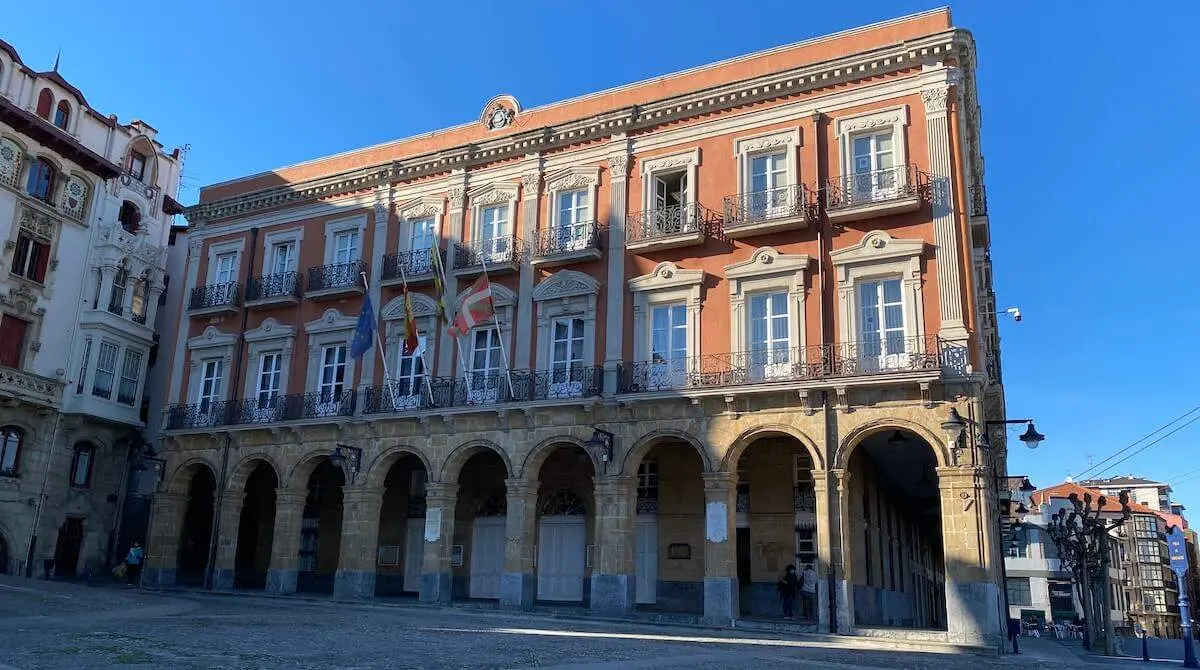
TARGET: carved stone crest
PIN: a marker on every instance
(499, 117)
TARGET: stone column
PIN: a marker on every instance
(457, 196)
(843, 554)
(162, 557)
(518, 584)
(285, 544)
(108, 275)
(436, 578)
(614, 577)
(355, 577)
(824, 565)
(720, 550)
(947, 257)
(152, 297)
(231, 520)
(972, 594)
(614, 299)
(528, 235)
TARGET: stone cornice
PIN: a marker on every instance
(804, 79)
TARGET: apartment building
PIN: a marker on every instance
(85, 208)
(733, 307)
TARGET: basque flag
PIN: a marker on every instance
(365, 330)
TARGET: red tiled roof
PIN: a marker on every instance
(1064, 491)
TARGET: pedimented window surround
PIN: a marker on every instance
(503, 301)
(334, 228)
(231, 247)
(666, 284)
(747, 148)
(501, 193)
(332, 328)
(427, 207)
(572, 179)
(879, 256)
(270, 337)
(685, 160)
(894, 118)
(424, 313)
(565, 294)
(209, 345)
(293, 235)
(767, 271)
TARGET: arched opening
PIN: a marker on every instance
(321, 529)
(669, 529)
(41, 180)
(45, 103)
(401, 529)
(130, 217)
(256, 529)
(776, 526)
(195, 534)
(62, 114)
(895, 536)
(565, 522)
(477, 561)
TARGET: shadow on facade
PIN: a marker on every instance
(320, 529)
(196, 531)
(256, 529)
(401, 529)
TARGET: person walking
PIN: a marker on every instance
(808, 593)
(787, 586)
(133, 563)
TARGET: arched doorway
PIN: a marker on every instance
(321, 529)
(669, 528)
(479, 527)
(776, 523)
(564, 526)
(256, 529)
(401, 529)
(195, 535)
(895, 533)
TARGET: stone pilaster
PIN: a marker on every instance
(530, 182)
(843, 556)
(152, 297)
(972, 592)
(355, 577)
(108, 276)
(457, 196)
(383, 208)
(945, 222)
(614, 578)
(285, 544)
(436, 579)
(518, 584)
(825, 522)
(231, 519)
(720, 551)
(162, 549)
(195, 246)
(614, 301)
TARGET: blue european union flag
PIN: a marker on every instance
(365, 330)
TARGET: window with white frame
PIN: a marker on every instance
(668, 344)
(873, 155)
(226, 268)
(116, 298)
(131, 372)
(566, 357)
(81, 465)
(647, 486)
(283, 257)
(270, 371)
(486, 365)
(211, 372)
(410, 375)
(574, 217)
(768, 185)
(333, 373)
(769, 330)
(495, 233)
(423, 234)
(106, 370)
(345, 247)
(881, 328)
(671, 195)
(666, 325)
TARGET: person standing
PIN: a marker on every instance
(787, 586)
(808, 593)
(133, 563)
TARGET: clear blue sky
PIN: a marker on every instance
(1094, 223)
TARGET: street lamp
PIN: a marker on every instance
(601, 442)
(955, 425)
(349, 459)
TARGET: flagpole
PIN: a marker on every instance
(512, 394)
(387, 376)
(441, 270)
(407, 316)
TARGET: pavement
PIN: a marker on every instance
(57, 625)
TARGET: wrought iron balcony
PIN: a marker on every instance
(768, 211)
(787, 364)
(277, 289)
(567, 244)
(139, 318)
(27, 387)
(414, 266)
(295, 407)
(338, 279)
(864, 195)
(497, 254)
(668, 228)
(484, 389)
(979, 205)
(215, 299)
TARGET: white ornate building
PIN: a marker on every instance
(86, 203)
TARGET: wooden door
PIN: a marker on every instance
(414, 554)
(646, 559)
(562, 557)
(487, 556)
(12, 340)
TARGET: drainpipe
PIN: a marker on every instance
(41, 499)
(235, 382)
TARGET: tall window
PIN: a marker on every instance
(226, 268)
(345, 247)
(31, 258)
(412, 370)
(881, 322)
(423, 235)
(872, 157)
(106, 370)
(768, 177)
(573, 217)
(116, 299)
(567, 347)
(283, 258)
(769, 351)
(81, 465)
(494, 232)
(131, 370)
(83, 365)
(647, 486)
(333, 373)
(210, 384)
(12, 340)
(45, 103)
(486, 363)
(41, 180)
(62, 114)
(137, 165)
(668, 345)
(11, 440)
(270, 366)
(137, 305)
(130, 217)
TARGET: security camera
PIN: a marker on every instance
(1015, 312)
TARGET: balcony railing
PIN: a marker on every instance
(272, 287)
(408, 265)
(749, 209)
(653, 225)
(979, 200)
(26, 386)
(506, 250)
(336, 276)
(567, 239)
(880, 186)
(139, 318)
(296, 407)
(135, 183)
(484, 389)
(786, 364)
(215, 296)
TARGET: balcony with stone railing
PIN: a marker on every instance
(27, 387)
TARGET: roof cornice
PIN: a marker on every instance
(874, 63)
